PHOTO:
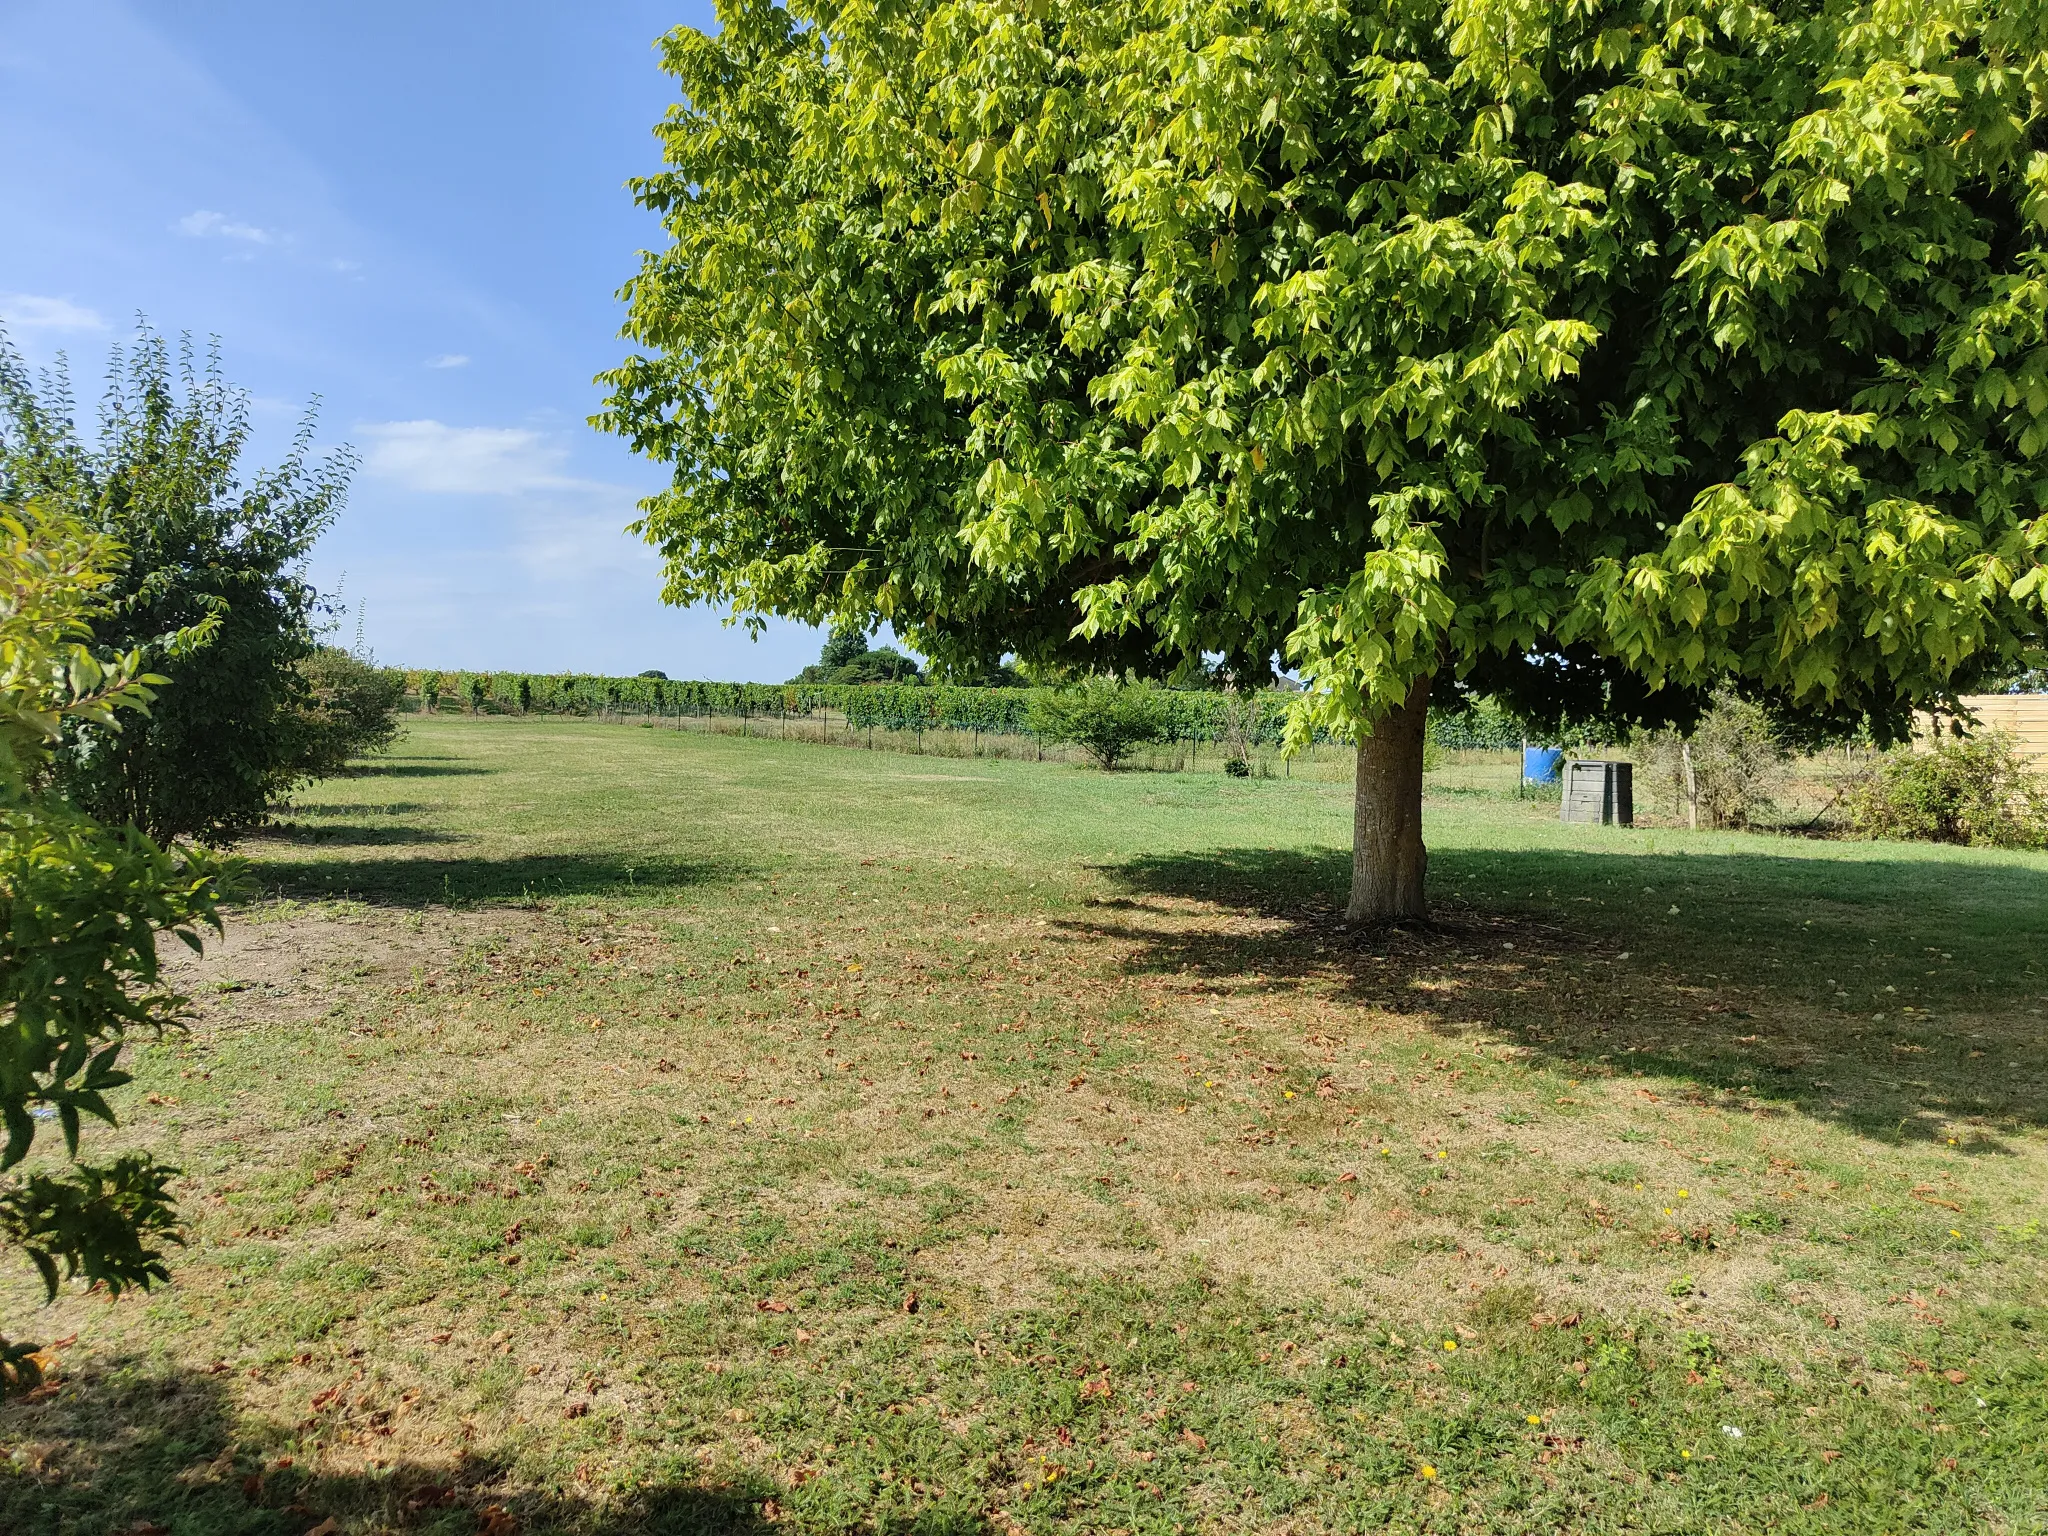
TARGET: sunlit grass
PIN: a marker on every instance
(641, 1131)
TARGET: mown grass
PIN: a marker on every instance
(594, 1128)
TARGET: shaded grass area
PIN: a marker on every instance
(1844, 1013)
(855, 1143)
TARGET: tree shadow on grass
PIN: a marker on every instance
(1892, 995)
(431, 881)
(431, 769)
(353, 834)
(130, 1446)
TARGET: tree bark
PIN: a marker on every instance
(1387, 857)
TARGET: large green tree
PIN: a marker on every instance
(1585, 354)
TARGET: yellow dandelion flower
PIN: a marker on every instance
(1287, 1093)
(1428, 1470)
(1450, 1343)
(1535, 1418)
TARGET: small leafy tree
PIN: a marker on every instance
(1106, 717)
(1236, 723)
(1727, 769)
(1964, 789)
(162, 477)
(350, 710)
(80, 907)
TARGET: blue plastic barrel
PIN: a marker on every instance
(1540, 765)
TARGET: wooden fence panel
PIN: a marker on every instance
(2023, 714)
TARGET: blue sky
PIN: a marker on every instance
(414, 211)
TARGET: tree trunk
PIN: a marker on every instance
(1387, 856)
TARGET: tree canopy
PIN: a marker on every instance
(1587, 355)
(848, 658)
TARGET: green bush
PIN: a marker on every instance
(350, 711)
(1974, 789)
(81, 906)
(201, 543)
(1105, 717)
(1727, 771)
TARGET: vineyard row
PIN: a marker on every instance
(1190, 716)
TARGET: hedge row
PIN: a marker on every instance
(1191, 716)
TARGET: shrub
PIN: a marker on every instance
(1104, 716)
(201, 545)
(1236, 727)
(350, 711)
(81, 905)
(1970, 789)
(1727, 770)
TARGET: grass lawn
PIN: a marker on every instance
(604, 1129)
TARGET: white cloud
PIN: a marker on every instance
(449, 360)
(204, 223)
(40, 312)
(491, 461)
(566, 548)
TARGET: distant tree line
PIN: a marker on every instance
(1185, 714)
